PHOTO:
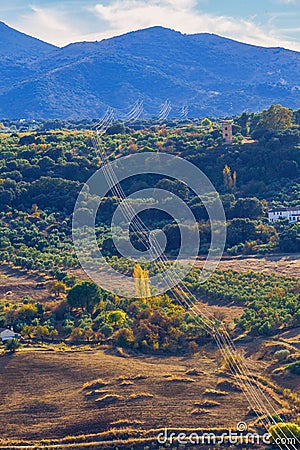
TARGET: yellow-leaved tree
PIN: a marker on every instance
(229, 179)
(142, 282)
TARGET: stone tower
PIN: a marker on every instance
(227, 132)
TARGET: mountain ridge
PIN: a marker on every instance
(216, 76)
(164, 29)
(22, 44)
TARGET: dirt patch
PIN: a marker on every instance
(283, 264)
(15, 285)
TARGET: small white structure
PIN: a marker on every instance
(6, 334)
(293, 214)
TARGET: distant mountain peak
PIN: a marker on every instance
(15, 44)
(150, 32)
(213, 75)
(157, 29)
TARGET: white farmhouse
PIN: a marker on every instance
(293, 214)
(6, 334)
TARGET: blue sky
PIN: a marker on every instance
(259, 22)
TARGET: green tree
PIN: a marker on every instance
(116, 318)
(243, 122)
(117, 128)
(297, 117)
(289, 238)
(84, 295)
(106, 329)
(58, 287)
(247, 207)
(176, 187)
(276, 118)
(28, 331)
(240, 230)
(41, 332)
(68, 325)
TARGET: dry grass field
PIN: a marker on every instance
(16, 284)
(44, 394)
(281, 264)
(51, 394)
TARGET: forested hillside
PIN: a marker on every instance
(43, 171)
(213, 75)
(43, 167)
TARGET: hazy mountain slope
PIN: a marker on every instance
(17, 52)
(214, 75)
(15, 45)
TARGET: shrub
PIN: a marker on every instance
(124, 337)
(106, 329)
(12, 345)
(281, 355)
(294, 368)
(285, 430)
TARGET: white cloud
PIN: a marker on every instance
(121, 16)
(126, 15)
(46, 24)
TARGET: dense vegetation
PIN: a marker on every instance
(81, 312)
(41, 173)
(89, 314)
(43, 166)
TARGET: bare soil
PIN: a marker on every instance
(15, 285)
(281, 264)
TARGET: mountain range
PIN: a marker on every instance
(214, 76)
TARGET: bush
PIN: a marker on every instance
(124, 338)
(294, 368)
(106, 329)
(232, 361)
(281, 355)
(285, 431)
(12, 345)
(85, 295)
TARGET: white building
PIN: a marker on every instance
(6, 334)
(293, 214)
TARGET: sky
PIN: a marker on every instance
(269, 23)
